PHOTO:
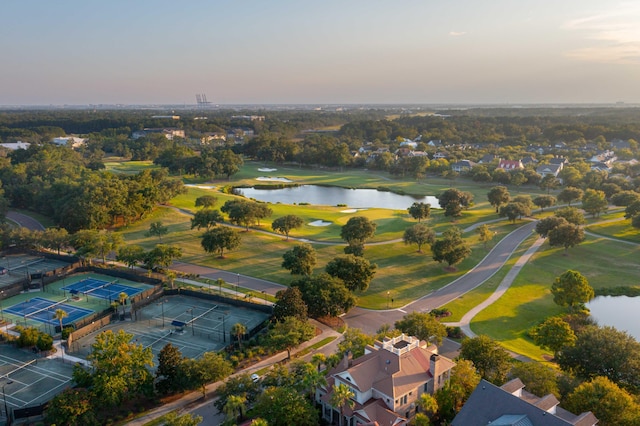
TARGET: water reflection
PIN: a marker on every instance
(620, 312)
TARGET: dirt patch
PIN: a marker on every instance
(333, 322)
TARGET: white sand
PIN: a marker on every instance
(320, 223)
(190, 185)
(351, 210)
(266, 169)
(277, 179)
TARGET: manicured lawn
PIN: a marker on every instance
(529, 301)
(129, 167)
(621, 229)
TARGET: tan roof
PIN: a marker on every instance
(513, 385)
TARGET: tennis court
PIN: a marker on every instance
(29, 380)
(42, 310)
(101, 289)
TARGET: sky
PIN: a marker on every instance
(79, 52)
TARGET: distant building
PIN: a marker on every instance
(462, 166)
(172, 117)
(549, 169)
(73, 141)
(248, 117)
(510, 165)
(386, 381)
(511, 405)
(167, 132)
(12, 146)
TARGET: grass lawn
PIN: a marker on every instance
(129, 167)
(621, 229)
(529, 300)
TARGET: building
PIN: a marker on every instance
(511, 405)
(510, 165)
(168, 132)
(463, 166)
(73, 141)
(12, 146)
(549, 169)
(386, 381)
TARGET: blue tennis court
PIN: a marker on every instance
(42, 310)
(101, 289)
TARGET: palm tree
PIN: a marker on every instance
(319, 359)
(341, 397)
(59, 315)
(312, 380)
(234, 408)
(122, 297)
(239, 330)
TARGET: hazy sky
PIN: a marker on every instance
(300, 51)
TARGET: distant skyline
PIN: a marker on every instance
(79, 52)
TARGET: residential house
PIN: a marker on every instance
(417, 154)
(510, 165)
(549, 169)
(386, 381)
(558, 159)
(462, 166)
(12, 146)
(440, 155)
(528, 160)
(488, 158)
(620, 144)
(73, 141)
(435, 143)
(511, 405)
(167, 132)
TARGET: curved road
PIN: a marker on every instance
(369, 320)
(24, 221)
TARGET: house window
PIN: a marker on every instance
(404, 399)
(426, 387)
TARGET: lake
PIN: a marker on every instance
(332, 196)
(620, 312)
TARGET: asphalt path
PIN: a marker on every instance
(369, 320)
(25, 221)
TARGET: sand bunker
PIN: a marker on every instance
(320, 223)
(190, 185)
(266, 169)
(276, 179)
(351, 210)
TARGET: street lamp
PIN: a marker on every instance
(1, 314)
(6, 409)
(387, 300)
(224, 333)
(162, 305)
(237, 284)
(193, 333)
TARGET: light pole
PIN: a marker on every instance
(237, 284)
(162, 305)
(224, 333)
(264, 296)
(220, 284)
(6, 409)
(193, 333)
(1, 314)
(387, 300)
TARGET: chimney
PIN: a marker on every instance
(434, 367)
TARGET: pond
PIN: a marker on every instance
(332, 196)
(620, 312)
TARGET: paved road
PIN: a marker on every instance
(25, 221)
(369, 320)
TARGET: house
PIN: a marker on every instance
(435, 143)
(558, 159)
(12, 146)
(462, 166)
(528, 160)
(549, 169)
(510, 165)
(73, 141)
(488, 158)
(440, 155)
(168, 132)
(386, 381)
(511, 405)
(214, 137)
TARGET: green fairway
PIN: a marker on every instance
(129, 167)
(529, 300)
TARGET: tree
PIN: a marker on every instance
(170, 375)
(60, 314)
(130, 255)
(289, 333)
(424, 326)
(245, 213)
(354, 341)
(356, 272)
(174, 419)
(554, 334)
(635, 221)
(122, 298)
(308, 378)
(570, 194)
(217, 240)
(240, 384)
(420, 235)
(300, 260)
(239, 330)
(548, 183)
(571, 215)
(156, 229)
(538, 379)
(457, 390)
(625, 198)
(619, 362)
(73, 407)
(544, 226)
(357, 231)
(161, 255)
(485, 234)
(571, 289)
(284, 406)
(211, 367)
(289, 304)
(340, 398)
(491, 361)
(119, 369)
(567, 235)
(632, 210)
(206, 201)
(544, 201)
(55, 238)
(419, 211)
(235, 408)
(451, 248)
(453, 201)
(594, 202)
(285, 224)
(514, 211)
(325, 295)
(497, 196)
(206, 218)
(610, 404)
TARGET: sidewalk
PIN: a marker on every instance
(196, 396)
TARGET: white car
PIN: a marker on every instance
(255, 378)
